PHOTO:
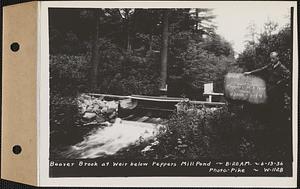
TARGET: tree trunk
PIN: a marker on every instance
(95, 52)
(150, 42)
(164, 53)
(128, 41)
(197, 19)
(127, 17)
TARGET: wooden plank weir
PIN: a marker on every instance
(158, 99)
(152, 109)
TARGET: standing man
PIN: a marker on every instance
(278, 80)
(275, 71)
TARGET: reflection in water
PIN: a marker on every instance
(111, 139)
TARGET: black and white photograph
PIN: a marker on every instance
(199, 91)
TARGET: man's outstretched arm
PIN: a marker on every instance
(257, 70)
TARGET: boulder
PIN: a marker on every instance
(128, 104)
(89, 115)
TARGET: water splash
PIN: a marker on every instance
(109, 140)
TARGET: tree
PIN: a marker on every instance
(253, 34)
(164, 53)
(257, 55)
(130, 50)
(95, 50)
(126, 25)
(204, 65)
(270, 27)
(202, 19)
(147, 23)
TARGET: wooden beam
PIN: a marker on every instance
(108, 95)
(208, 103)
(159, 99)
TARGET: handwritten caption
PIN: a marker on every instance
(246, 88)
(240, 167)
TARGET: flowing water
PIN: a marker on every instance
(109, 140)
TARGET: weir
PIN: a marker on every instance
(138, 119)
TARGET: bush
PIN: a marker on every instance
(188, 133)
(68, 74)
(198, 132)
(257, 55)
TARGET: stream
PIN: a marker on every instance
(109, 140)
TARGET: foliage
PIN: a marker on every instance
(257, 55)
(120, 72)
(198, 132)
(188, 134)
(65, 123)
(132, 74)
(207, 61)
(217, 45)
(129, 56)
(68, 74)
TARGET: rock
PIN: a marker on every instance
(147, 149)
(104, 109)
(89, 115)
(89, 108)
(100, 103)
(112, 105)
(112, 115)
(118, 120)
(91, 123)
(96, 108)
(128, 104)
(106, 123)
(155, 143)
(111, 111)
(112, 120)
(100, 119)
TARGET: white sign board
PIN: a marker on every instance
(247, 88)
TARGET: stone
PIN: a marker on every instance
(89, 115)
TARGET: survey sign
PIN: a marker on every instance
(245, 87)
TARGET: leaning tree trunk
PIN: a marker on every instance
(95, 52)
(164, 53)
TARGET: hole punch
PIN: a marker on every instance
(15, 47)
(17, 149)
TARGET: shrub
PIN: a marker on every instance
(68, 73)
(199, 132)
(122, 73)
